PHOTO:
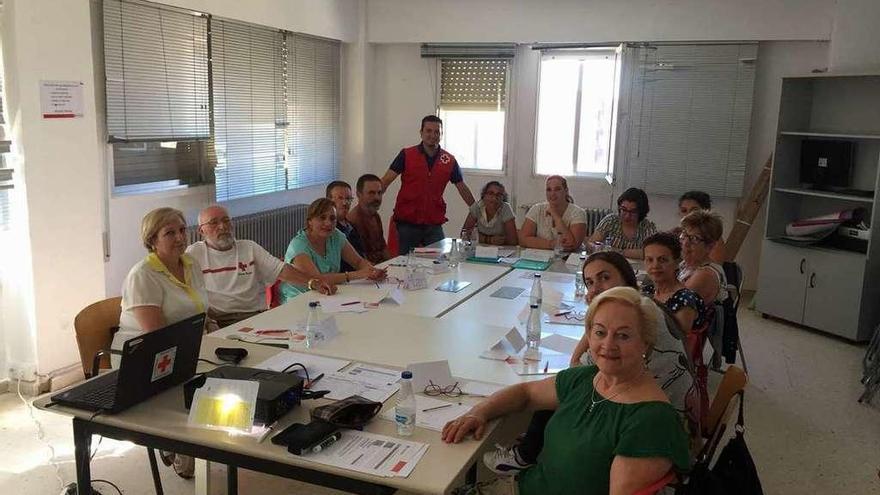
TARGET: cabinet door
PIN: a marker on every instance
(834, 291)
(782, 281)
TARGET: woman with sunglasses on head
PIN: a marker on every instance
(492, 216)
(613, 429)
(662, 255)
(557, 218)
(698, 200)
(319, 249)
(629, 227)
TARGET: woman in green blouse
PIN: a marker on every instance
(614, 430)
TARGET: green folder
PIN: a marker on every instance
(487, 261)
(532, 265)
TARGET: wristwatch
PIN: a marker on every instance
(312, 281)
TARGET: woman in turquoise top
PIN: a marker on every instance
(318, 250)
(614, 430)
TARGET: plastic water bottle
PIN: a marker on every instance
(313, 321)
(533, 333)
(405, 411)
(454, 254)
(535, 295)
(580, 288)
(557, 246)
(411, 258)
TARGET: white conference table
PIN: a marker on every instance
(426, 302)
(486, 309)
(161, 423)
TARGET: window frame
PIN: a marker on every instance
(505, 134)
(614, 128)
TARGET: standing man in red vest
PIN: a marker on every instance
(425, 169)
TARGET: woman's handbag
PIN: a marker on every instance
(352, 412)
(734, 471)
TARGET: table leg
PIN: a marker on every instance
(154, 470)
(231, 480)
(82, 441)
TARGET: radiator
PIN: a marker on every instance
(594, 216)
(271, 229)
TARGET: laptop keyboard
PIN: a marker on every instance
(97, 394)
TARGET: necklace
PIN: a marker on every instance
(593, 400)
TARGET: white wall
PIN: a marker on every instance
(67, 204)
(855, 43)
(404, 89)
(527, 21)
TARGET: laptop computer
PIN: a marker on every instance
(151, 363)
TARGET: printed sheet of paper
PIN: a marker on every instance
(340, 303)
(315, 364)
(370, 453)
(370, 382)
(486, 252)
(542, 255)
(225, 404)
(436, 416)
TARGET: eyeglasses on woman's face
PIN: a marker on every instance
(690, 238)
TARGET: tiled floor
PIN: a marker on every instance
(804, 427)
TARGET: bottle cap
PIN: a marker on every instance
(406, 375)
(534, 306)
(313, 304)
(537, 275)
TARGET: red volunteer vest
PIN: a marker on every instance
(420, 200)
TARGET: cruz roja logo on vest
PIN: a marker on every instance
(163, 364)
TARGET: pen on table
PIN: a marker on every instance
(563, 313)
(437, 407)
(350, 303)
(269, 430)
(546, 365)
(312, 382)
(377, 285)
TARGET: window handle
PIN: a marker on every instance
(803, 260)
(813, 280)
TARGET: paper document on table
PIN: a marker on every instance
(342, 304)
(559, 343)
(432, 414)
(550, 362)
(554, 278)
(269, 336)
(542, 255)
(506, 251)
(370, 453)
(315, 364)
(509, 345)
(436, 372)
(508, 260)
(566, 316)
(486, 252)
(370, 382)
(574, 259)
(480, 389)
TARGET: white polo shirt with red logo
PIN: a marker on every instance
(236, 279)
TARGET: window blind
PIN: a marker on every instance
(312, 111)
(156, 70)
(689, 114)
(249, 67)
(468, 50)
(473, 84)
(6, 182)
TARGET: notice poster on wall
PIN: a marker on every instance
(61, 99)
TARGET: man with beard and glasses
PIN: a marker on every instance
(339, 192)
(237, 271)
(366, 221)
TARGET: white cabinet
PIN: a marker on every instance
(833, 285)
(814, 287)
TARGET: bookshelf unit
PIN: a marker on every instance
(833, 285)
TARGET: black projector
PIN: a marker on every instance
(279, 392)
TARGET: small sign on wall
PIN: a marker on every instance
(61, 99)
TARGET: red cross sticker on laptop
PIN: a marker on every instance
(163, 364)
